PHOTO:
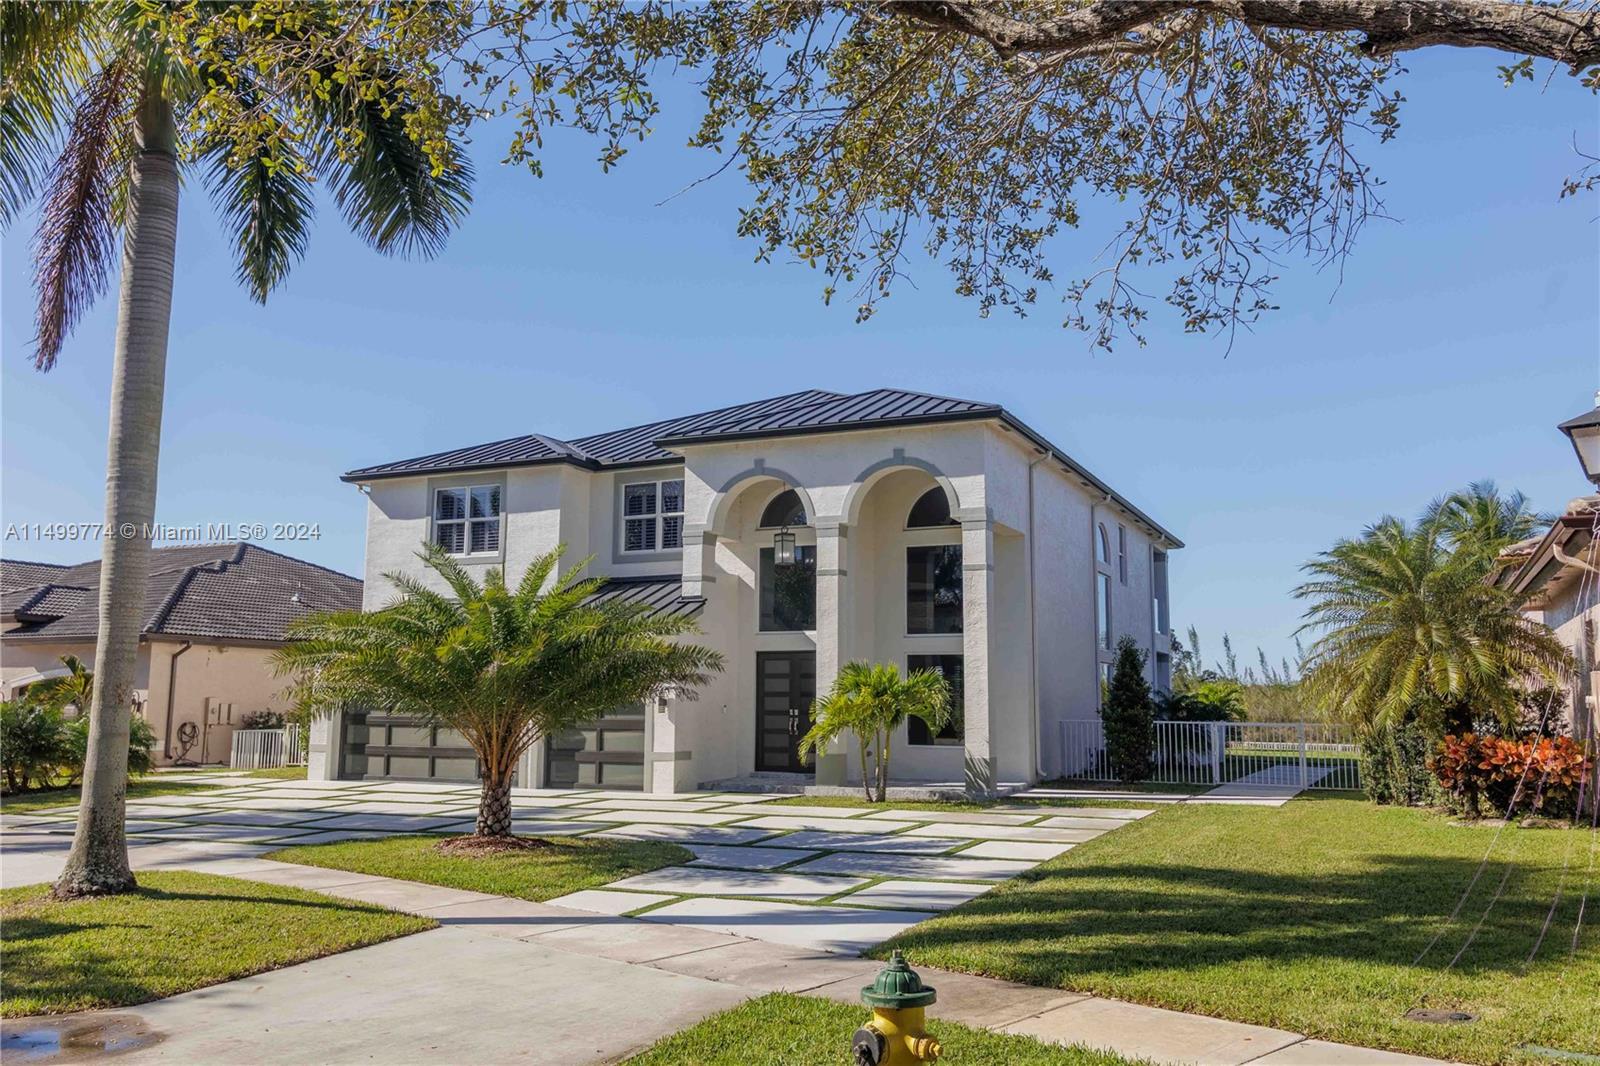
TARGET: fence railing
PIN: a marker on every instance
(266, 749)
(1301, 754)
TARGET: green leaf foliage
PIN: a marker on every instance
(1128, 716)
(871, 701)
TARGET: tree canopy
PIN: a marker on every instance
(1231, 135)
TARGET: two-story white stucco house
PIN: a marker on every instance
(929, 532)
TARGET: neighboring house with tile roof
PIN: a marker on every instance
(927, 531)
(1556, 579)
(213, 614)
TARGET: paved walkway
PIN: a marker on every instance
(835, 879)
(555, 976)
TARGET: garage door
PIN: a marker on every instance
(605, 753)
(387, 747)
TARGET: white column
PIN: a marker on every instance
(834, 625)
(977, 564)
(699, 560)
(322, 753)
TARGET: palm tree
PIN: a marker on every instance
(502, 667)
(1410, 628)
(96, 89)
(75, 688)
(1483, 520)
(871, 700)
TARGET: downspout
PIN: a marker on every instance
(1033, 627)
(172, 685)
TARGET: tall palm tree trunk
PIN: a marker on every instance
(98, 862)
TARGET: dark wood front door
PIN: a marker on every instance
(786, 683)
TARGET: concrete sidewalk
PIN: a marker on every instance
(507, 980)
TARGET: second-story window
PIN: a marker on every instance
(652, 516)
(1122, 553)
(466, 520)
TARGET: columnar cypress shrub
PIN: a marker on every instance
(1128, 715)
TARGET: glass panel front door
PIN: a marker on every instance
(786, 685)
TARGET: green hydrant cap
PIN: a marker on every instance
(897, 987)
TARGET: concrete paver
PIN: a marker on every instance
(1325, 1053)
(690, 834)
(840, 929)
(954, 868)
(752, 857)
(889, 843)
(1014, 849)
(604, 901)
(914, 895)
(836, 825)
(1006, 832)
(695, 881)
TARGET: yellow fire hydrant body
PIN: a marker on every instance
(895, 1036)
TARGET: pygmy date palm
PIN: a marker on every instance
(101, 107)
(871, 700)
(503, 667)
(1408, 628)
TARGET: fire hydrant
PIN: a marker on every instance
(894, 1036)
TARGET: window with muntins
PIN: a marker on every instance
(652, 516)
(934, 589)
(789, 593)
(954, 732)
(466, 520)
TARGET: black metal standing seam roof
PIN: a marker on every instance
(662, 595)
(809, 411)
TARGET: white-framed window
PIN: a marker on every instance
(652, 516)
(1122, 553)
(466, 519)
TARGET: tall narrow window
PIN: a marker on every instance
(466, 520)
(1102, 609)
(789, 593)
(652, 516)
(1122, 553)
(917, 731)
(934, 592)
(1102, 545)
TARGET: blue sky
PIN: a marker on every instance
(1460, 335)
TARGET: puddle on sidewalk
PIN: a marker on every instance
(82, 1039)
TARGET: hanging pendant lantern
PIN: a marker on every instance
(783, 547)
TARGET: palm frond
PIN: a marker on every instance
(43, 56)
(267, 202)
(76, 240)
(385, 185)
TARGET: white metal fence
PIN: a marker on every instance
(266, 749)
(1302, 754)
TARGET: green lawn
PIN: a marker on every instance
(787, 1030)
(22, 802)
(178, 931)
(567, 864)
(1306, 917)
(282, 773)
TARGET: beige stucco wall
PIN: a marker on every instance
(227, 680)
(216, 683)
(1575, 628)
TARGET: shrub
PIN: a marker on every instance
(1540, 775)
(1128, 715)
(32, 744)
(1217, 700)
(264, 719)
(39, 747)
(1394, 766)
